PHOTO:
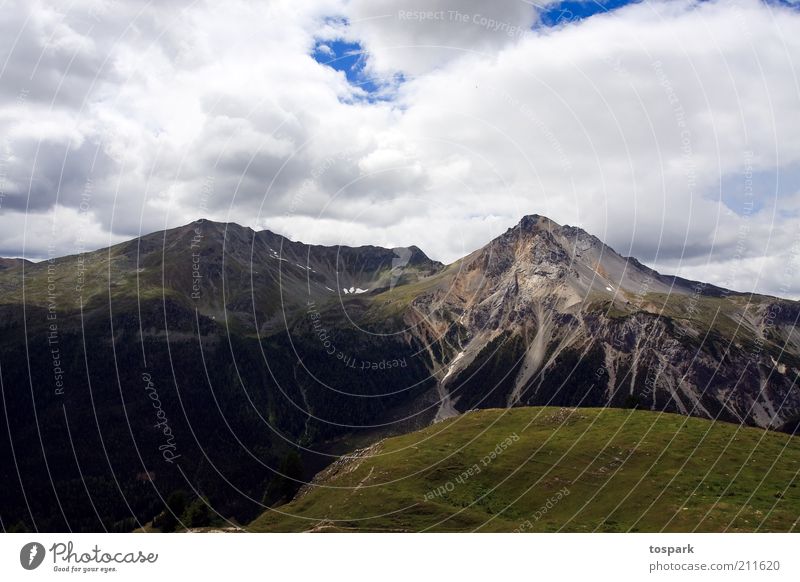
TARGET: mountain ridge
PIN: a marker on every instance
(272, 357)
(8, 263)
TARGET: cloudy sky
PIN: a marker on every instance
(670, 129)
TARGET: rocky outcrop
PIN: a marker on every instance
(558, 318)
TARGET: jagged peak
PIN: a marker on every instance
(536, 221)
(537, 224)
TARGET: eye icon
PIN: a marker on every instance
(31, 555)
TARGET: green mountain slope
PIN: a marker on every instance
(557, 469)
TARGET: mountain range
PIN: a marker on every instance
(216, 363)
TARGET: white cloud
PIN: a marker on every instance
(640, 125)
(415, 36)
(63, 231)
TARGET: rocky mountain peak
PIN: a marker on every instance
(532, 223)
(536, 247)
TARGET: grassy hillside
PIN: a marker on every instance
(551, 469)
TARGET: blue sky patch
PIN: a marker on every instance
(572, 11)
(350, 58)
(347, 57)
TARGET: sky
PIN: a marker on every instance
(669, 129)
